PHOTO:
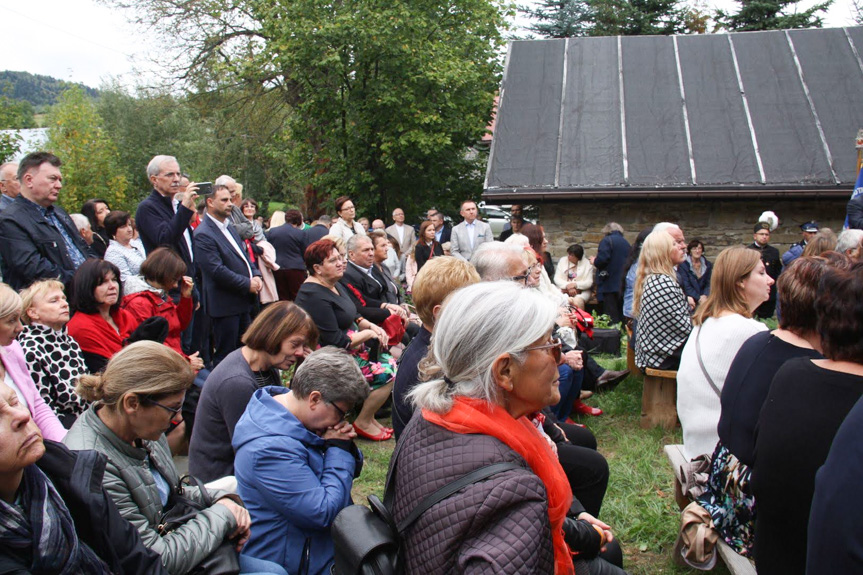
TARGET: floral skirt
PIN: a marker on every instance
(377, 373)
(729, 501)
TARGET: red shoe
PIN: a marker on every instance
(584, 409)
(382, 436)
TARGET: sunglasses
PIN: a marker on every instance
(555, 346)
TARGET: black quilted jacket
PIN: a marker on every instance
(498, 526)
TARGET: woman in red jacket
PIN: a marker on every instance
(163, 270)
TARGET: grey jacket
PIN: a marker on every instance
(130, 484)
(497, 526)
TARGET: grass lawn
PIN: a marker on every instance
(639, 504)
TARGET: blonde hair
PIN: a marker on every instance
(339, 241)
(655, 258)
(732, 266)
(143, 368)
(277, 219)
(438, 278)
(10, 301)
(36, 291)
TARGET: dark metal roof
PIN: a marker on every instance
(747, 114)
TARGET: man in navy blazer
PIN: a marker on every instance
(230, 281)
(160, 220)
(290, 243)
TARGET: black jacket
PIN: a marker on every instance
(290, 244)
(854, 211)
(160, 226)
(372, 291)
(32, 248)
(610, 258)
(77, 475)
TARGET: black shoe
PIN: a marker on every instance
(609, 379)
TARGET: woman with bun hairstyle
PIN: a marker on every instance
(135, 400)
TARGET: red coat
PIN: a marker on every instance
(146, 304)
(95, 335)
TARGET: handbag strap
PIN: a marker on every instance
(452, 487)
(701, 362)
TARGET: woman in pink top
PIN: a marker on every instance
(13, 367)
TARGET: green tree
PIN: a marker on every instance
(384, 98)
(772, 15)
(559, 18)
(90, 162)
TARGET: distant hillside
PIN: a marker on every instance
(38, 90)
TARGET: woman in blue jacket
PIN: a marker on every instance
(694, 273)
(296, 461)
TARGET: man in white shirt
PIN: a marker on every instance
(468, 235)
(405, 235)
(230, 281)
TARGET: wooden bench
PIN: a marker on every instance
(737, 564)
(659, 399)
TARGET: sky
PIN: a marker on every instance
(85, 41)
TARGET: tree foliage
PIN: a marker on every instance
(772, 15)
(39, 91)
(380, 99)
(565, 18)
(90, 161)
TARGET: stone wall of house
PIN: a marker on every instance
(718, 223)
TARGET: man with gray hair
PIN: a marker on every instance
(296, 460)
(10, 187)
(164, 216)
(849, 243)
(496, 261)
(246, 228)
(364, 289)
(84, 228)
(319, 229)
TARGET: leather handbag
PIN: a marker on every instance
(180, 509)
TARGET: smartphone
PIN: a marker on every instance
(205, 188)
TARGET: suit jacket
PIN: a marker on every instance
(315, 233)
(372, 292)
(460, 239)
(409, 240)
(32, 248)
(611, 257)
(159, 226)
(383, 275)
(290, 244)
(225, 276)
(445, 234)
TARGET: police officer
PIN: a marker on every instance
(809, 230)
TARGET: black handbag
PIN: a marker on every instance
(180, 509)
(367, 540)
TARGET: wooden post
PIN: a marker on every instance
(659, 399)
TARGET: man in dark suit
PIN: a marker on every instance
(37, 239)
(442, 232)
(230, 281)
(290, 243)
(318, 230)
(163, 217)
(772, 264)
(367, 292)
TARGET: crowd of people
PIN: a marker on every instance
(264, 350)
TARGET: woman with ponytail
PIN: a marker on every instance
(487, 375)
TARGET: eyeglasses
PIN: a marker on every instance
(524, 278)
(555, 346)
(342, 413)
(173, 411)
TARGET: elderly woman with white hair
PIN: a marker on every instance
(487, 375)
(850, 243)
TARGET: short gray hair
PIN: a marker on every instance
(354, 241)
(662, 226)
(224, 180)
(325, 220)
(612, 227)
(156, 164)
(491, 260)
(334, 374)
(476, 325)
(80, 220)
(848, 240)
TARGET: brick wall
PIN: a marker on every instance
(718, 223)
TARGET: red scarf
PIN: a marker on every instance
(469, 415)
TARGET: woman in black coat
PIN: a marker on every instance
(426, 246)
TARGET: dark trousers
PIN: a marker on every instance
(288, 283)
(226, 334)
(592, 371)
(585, 468)
(612, 306)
